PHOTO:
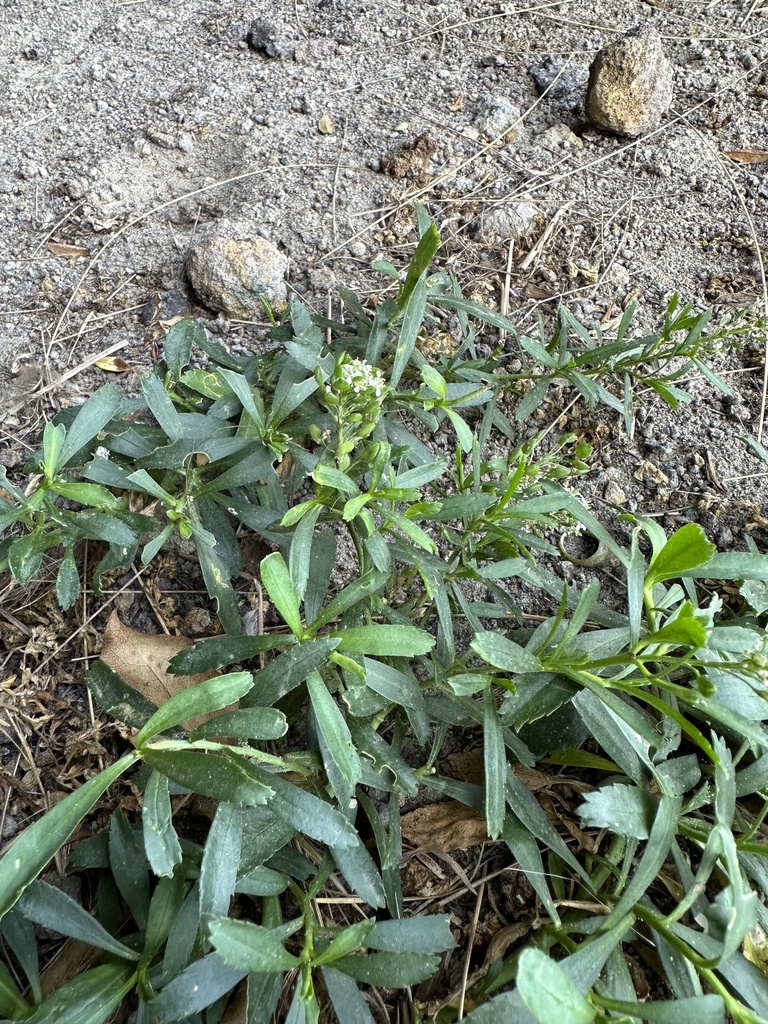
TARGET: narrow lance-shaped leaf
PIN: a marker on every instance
(282, 591)
(50, 907)
(202, 699)
(548, 992)
(41, 841)
(340, 759)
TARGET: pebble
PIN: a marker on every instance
(262, 36)
(231, 270)
(496, 115)
(630, 84)
(559, 136)
(510, 221)
(571, 83)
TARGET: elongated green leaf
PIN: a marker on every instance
(211, 774)
(504, 654)
(347, 999)
(202, 699)
(92, 416)
(656, 851)
(164, 908)
(282, 591)
(383, 757)
(360, 871)
(201, 984)
(245, 724)
(428, 245)
(50, 907)
(307, 813)
(221, 859)
(394, 970)
(320, 571)
(263, 994)
(129, 867)
(413, 318)
(90, 998)
(548, 992)
(220, 651)
(183, 936)
(706, 1009)
(385, 641)
(495, 762)
(347, 941)
(340, 759)
(161, 406)
(216, 574)
(41, 841)
(19, 934)
(160, 840)
(686, 549)
(731, 565)
(300, 557)
(177, 347)
(117, 698)
(625, 810)
(351, 595)
(415, 935)
(329, 476)
(12, 1003)
(285, 672)
(249, 947)
(67, 581)
(393, 684)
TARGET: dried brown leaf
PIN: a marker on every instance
(504, 938)
(113, 364)
(237, 1011)
(72, 252)
(142, 660)
(73, 958)
(445, 826)
(747, 156)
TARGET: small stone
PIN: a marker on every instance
(559, 136)
(618, 277)
(614, 493)
(262, 36)
(196, 621)
(496, 115)
(570, 83)
(231, 270)
(186, 142)
(325, 125)
(357, 248)
(510, 221)
(630, 84)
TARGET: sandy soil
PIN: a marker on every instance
(129, 127)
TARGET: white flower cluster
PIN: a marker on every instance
(362, 377)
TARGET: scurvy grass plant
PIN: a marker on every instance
(320, 439)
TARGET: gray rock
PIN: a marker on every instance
(232, 269)
(559, 136)
(630, 84)
(263, 37)
(569, 85)
(495, 115)
(512, 220)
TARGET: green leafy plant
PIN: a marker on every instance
(658, 698)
